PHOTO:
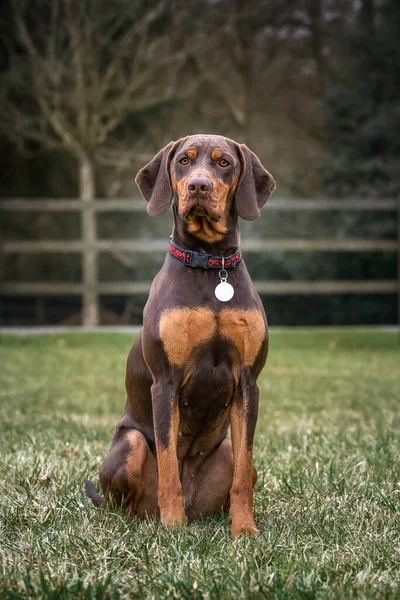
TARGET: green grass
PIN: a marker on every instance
(327, 499)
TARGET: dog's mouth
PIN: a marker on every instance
(202, 221)
(198, 210)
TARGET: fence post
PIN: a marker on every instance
(90, 308)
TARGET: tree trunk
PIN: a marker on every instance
(90, 309)
(367, 18)
(315, 14)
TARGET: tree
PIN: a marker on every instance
(361, 107)
(77, 70)
(243, 40)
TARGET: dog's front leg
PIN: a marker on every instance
(166, 424)
(244, 412)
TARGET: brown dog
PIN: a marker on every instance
(193, 368)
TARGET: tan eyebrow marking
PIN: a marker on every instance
(192, 153)
(216, 154)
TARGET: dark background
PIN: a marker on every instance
(312, 86)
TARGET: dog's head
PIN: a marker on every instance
(208, 177)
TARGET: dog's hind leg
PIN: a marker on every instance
(128, 476)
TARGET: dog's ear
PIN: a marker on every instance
(255, 185)
(154, 181)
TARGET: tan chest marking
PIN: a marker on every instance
(182, 329)
(246, 329)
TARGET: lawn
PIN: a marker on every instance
(326, 502)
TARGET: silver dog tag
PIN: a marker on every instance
(224, 291)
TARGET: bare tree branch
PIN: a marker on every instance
(90, 69)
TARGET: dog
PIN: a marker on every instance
(192, 370)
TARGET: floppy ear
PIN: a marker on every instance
(154, 181)
(255, 185)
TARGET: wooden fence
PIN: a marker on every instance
(90, 245)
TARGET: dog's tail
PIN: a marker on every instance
(93, 494)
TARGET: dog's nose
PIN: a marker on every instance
(199, 187)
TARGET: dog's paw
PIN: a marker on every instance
(243, 527)
(173, 518)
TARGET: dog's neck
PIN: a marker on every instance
(227, 245)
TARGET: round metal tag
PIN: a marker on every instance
(224, 291)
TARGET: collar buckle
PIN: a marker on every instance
(199, 259)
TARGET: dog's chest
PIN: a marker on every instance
(184, 330)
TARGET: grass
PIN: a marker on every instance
(327, 499)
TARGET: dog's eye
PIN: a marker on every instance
(223, 163)
(184, 160)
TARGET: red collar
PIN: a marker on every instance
(205, 261)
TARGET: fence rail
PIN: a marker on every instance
(264, 287)
(90, 288)
(138, 205)
(160, 245)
